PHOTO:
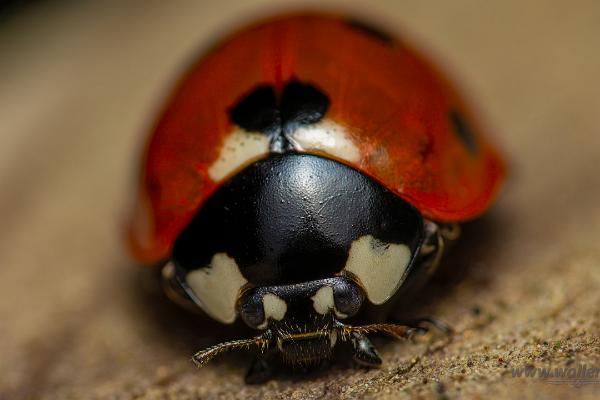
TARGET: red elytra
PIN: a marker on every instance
(408, 122)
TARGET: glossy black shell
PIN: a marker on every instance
(292, 218)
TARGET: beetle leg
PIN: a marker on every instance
(173, 289)
(364, 352)
(432, 247)
(450, 232)
(437, 237)
(260, 371)
(418, 322)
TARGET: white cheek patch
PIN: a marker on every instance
(323, 302)
(379, 266)
(328, 137)
(275, 308)
(240, 148)
(217, 287)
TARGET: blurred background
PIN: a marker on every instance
(80, 85)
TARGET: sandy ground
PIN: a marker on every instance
(79, 84)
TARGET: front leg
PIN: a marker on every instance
(435, 241)
(364, 352)
(418, 323)
(437, 237)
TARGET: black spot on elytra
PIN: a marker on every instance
(261, 111)
(463, 131)
(257, 111)
(302, 104)
(371, 31)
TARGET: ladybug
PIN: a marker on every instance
(304, 173)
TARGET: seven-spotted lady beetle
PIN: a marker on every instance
(304, 171)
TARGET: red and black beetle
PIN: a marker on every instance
(303, 171)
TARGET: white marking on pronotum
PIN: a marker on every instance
(323, 302)
(275, 308)
(328, 137)
(379, 266)
(217, 287)
(240, 148)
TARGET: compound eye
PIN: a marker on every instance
(347, 297)
(340, 296)
(252, 310)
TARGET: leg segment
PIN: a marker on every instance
(174, 290)
(428, 258)
(364, 352)
(437, 237)
(417, 323)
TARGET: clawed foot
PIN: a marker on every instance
(422, 323)
(365, 353)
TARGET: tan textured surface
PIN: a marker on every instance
(78, 84)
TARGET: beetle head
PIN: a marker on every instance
(303, 318)
(302, 322)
